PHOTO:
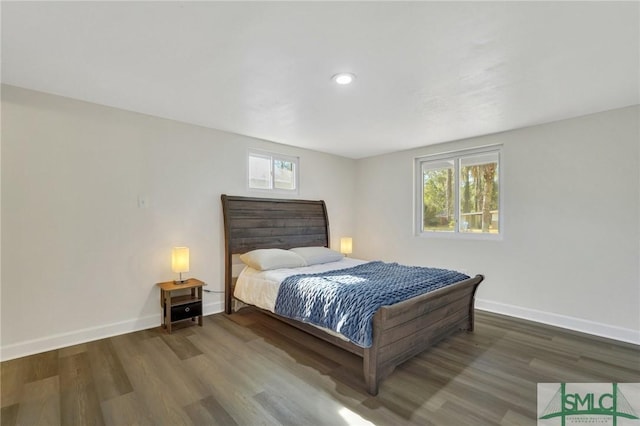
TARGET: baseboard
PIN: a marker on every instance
(213, 308)
(76, 337)
(85, 335)
(563, 321)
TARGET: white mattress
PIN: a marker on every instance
(260, 288)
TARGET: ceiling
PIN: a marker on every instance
(427, 72)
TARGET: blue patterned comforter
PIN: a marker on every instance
(345, 300)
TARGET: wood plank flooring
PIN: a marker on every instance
(250, 369)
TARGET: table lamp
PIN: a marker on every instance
(346, 245)
(180, 262)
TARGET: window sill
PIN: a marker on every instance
(467, 236)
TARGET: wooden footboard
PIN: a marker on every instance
(405, 329)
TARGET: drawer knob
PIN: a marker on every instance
(187, 309)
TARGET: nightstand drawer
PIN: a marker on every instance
(186, 310)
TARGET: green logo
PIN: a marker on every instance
(586, 403)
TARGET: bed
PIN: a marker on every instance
(399, 331)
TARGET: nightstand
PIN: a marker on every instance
(183, 305)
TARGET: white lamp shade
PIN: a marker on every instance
(180, 259)
(346, 245)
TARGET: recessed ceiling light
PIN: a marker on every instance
(344, 78)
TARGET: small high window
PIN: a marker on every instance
(459, 193)
(272, 172)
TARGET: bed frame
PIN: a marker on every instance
(400, 331)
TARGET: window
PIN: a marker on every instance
(459, 193)
(272, 172)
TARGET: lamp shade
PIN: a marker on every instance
(346, 245)
(180, 259)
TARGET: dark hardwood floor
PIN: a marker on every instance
(250, 369)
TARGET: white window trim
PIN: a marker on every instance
(274, 156)
(418, 195)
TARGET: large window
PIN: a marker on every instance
(459, 193)
(272, 172)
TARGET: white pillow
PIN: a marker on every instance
(316, 255)
(267, 259)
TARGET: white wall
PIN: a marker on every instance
(80, 259)
(571, 248)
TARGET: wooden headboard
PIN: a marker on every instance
(253, 223)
